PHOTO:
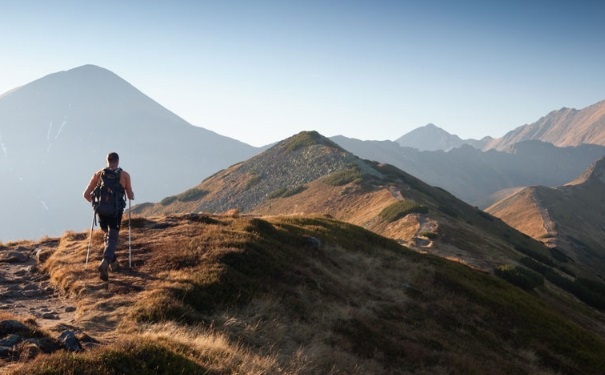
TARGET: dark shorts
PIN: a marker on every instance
(113, 222)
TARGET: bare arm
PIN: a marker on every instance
(127, 185)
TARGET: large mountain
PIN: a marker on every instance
(432, 138)
(56, 131)
(570, 218)
(476, 176)
(565, 127)
(309, 173)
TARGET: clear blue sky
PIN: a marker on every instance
(260, 71)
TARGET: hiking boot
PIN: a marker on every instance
(114, 266)
(104, 275)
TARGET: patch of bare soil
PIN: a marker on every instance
(26, 291)
(48, 286)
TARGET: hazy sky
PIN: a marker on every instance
(260, 71)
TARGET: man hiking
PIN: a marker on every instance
(106, 191)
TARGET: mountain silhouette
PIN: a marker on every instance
(432, 138)
(310, 174)
(476, 176)
(569, 218)
(56, 131)
(564, 127)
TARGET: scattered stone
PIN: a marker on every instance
(50, 316)
(314, 241)
(70, 341)
(6, 351)
(14, 257)
(70, 309)
(42, 255)
(11, 340)
(85, 340)
(30, 287)
(33, 293)
(12, 326)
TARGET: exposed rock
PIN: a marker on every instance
(70, 341)
(10, 340)
(14, 257)
(42, 254)
(12, 326)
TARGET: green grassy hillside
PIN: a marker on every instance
(306, 295)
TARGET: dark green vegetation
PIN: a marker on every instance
(309, 295)
(284, 193)
(191, 195)
(344, 177)
(400, 209)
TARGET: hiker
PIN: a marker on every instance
(106, 191)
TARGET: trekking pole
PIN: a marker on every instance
(129, 242)
(90, 239)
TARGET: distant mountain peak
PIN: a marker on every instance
(307, 138)
(430, 137)
(562, 127)
(594, 173)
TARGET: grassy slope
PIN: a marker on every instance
(304, 295)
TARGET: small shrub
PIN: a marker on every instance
(168, 200)
(519, 276)
(284, 192)
(344, 177)
(294, 191)
(400, 209)
(307, 138)
(276, 193)
(192, 195)
(253, 181)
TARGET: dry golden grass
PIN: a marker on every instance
(301, 295)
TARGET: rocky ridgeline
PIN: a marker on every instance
(283, 167)
(44, 317)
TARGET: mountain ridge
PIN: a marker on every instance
(563, 127)
(433, 138)
(334, 182)
(70, 120)
(569, 217)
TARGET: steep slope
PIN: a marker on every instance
(474, 176)
(572, 216)
(56, 131)
(309, 174)
(300, 295)
(565, 127)
(432, 138)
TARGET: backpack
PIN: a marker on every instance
(109, 194)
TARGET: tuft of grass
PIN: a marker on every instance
(137, 356)
(399, 209)
(254, 180)
(192, 195)
(285, 192)
(304, 139)
(519, 276)
(168, 200)
(343, 177)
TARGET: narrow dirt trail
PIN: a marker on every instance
(26, 291)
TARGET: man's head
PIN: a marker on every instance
(113, 159)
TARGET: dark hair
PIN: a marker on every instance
(113, 156)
